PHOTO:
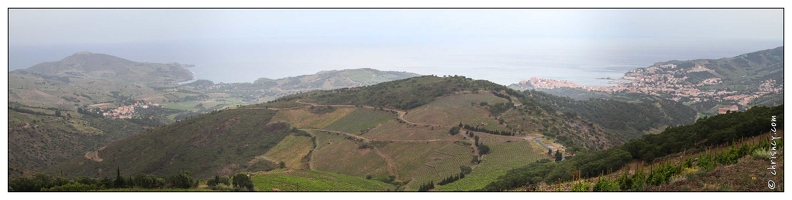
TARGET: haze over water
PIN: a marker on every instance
(502, 46)
(502, 61)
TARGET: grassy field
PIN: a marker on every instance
(393, 130)
(334, 153)
(503, 156)
(302, 118)
(306, 180)
(451, 110)
(359, 120)
(290, 150)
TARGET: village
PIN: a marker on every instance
(125, 111)
(669, 82)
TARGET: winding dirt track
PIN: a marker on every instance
(392, 169)
(391, 164)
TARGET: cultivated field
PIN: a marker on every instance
(503, 156)
(290, 150)
(335, 153)
(393, 130)
(360, 119)
(302, 118)
(451, 110)
(427, 161)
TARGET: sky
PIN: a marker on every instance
(275, 43)
(80, 26)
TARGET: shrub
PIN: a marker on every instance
(243, 181)
(663, 174)
(465, 169)
(729, 156)
(581, 186)
(763, 154)
(688, 163)
(605, 185)
(706, 162)
(638, 180)
(73, 187)
(224, 187)
(625, 182)
(182, 180)
(454, 130)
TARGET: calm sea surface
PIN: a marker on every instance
(501, 60)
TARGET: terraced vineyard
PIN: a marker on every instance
(418, 161)
(361, 119)
(291, 151)
(393, 130)
(335, 153)
(302, 118)
(451, 110)
(502, 157)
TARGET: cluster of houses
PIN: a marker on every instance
(724, 110)
(670, 82)
(125, 111)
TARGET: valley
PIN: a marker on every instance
(423, 133)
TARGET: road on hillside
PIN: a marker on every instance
(400, 112)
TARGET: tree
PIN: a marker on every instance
(182, 180)
(282, 164)
(558, 156)
(465, 169)
(57, 113)
(454, 130)
(243, 181)
(119, 181)
(483, 149)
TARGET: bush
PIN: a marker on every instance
(224, 188)
(581, 186)
(763, 154)
(663, 174)
(729, 156)
(483, 149)
(638, 180)
(706, 162)
(73, 187)
(605, 185)
(182, 180)
(625, 182)
(454, 130)
(465, 169)
(242, 181)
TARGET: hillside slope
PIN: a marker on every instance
(87, 88)
(218, 143)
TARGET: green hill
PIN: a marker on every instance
(405, 141)
(218, 143)
(85, 83)
(402, 94)
(658, 149)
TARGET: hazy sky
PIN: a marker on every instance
(500, 45)
(46, 27)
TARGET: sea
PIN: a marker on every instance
(503, 60)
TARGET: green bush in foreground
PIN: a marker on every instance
(605, 185)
